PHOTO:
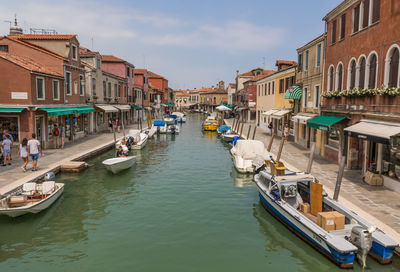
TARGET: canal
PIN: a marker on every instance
(182, 207)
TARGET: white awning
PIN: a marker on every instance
(123, 107)
(106, 108)
(375, 131)
(270, 112)
(280, 114)
(302, 118)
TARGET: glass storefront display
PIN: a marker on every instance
(10, 124)
(51, 121)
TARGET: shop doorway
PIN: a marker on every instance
(39, 129)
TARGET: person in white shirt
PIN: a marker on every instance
(33, 150)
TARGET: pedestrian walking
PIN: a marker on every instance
(62, 136)
(118, 125)
(286, 131)
(110, 125)
(6, 150)
(56, 136)
(23, 153)
(5, 133)
(33, 150)
(270, 127)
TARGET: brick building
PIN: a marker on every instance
(360, 108)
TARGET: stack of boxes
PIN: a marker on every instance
(331, 220)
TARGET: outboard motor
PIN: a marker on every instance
(362, 239)
(49, 176)
(173, 129)
(258, 163)
(129, 142)
(158, 130)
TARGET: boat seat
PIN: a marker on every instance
(28, 188)
(48, 187)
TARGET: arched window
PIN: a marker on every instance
(339, 77)
(394, 68)
(352, 74)
(372, 72)
(361, 81)
(330, 78)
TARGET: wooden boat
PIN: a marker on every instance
(285, 195)
(119, 164)
(244, 152)
(30, 197)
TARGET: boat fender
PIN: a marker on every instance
(49, 176)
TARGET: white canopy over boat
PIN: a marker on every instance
(245, 151)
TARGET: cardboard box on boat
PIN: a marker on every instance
(331, 220)
(305, 207)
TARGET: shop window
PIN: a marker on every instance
(11, 125)
(361, 82)
(332, 137)
(372, 72)
(56, 90)
(40, 88)
(68, 83)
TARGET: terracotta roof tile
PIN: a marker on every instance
(45, 37)
(154, 75)
(287, 62)
(29, 64)
(111, 58)
(140, 71)
(232, 85)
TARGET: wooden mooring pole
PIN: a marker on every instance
(254, 132)
(248, 132)
(278, 157)
(270, 142)
(339, 178)
(311, 159)
(233, 125)
(241, 130)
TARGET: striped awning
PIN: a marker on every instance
(294, 92)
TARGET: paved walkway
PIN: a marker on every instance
(376, 204)
(13, 176)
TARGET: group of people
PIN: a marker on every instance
(58, 134)
(286, 131)
(112, 124)
(25, 149)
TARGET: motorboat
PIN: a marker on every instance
(210, 124)
(181, 117)
(30, 197)
(173, 129)
(150, 132)
(169, 120)
(135, 139)
(335, 231)
(160, 125)
(224, 129)
(245, 151)
(228, 137)
(119, 164)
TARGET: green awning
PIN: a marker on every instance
(171, 104)
(11, 109)
(294, 92)
(231, 106)
(324, 122)
(56, 111)
(136, 107)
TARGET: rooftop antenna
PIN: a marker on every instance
(92, 42)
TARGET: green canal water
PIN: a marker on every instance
(182, 207)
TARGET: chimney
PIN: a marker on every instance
(15, 30)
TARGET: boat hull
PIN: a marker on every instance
(116, 165)
(342, 259)
(228, 137)
(36, 207)
(142, 142)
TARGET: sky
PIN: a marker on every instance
(193, 44)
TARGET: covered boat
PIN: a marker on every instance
(119, 164)
(210, 124)
(245, 151)
(30, 197)
(335, 231)
(160, 126)
(181, 117)
(224, 129)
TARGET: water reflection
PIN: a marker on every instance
(241, 180)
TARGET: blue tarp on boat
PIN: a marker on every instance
(223, 129)
(159, 123)
(173, 116)
(235, 139)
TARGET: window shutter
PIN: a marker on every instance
(366, 13)
(372, 73)
(376, 10)
(394, 69)
(352, 75)
(356, 22)
(362, 74)
(340, 78)
(331, 75)
(333, 38)
(343, 26)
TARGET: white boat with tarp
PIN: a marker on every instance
(160, 126)
(30, 197)
(245, 151)
(335, 231)
(119, 164)
(181, 117)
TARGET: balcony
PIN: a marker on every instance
(362, 104)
